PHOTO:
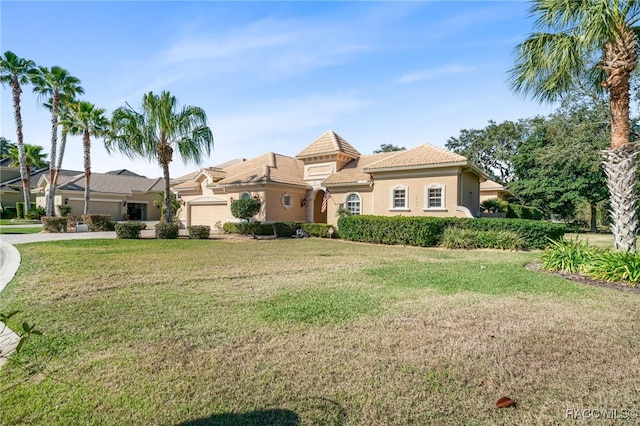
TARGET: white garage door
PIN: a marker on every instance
(105, 207)
(208, 214)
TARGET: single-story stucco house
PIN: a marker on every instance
(121, 193)
(490, 189)
(422, 181)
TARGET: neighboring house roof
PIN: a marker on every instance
(490, 185)
(125, 183)
(6, 162)
(353, 172)
(423, 155)
(35, 178)
(124, 172)
(329, 143)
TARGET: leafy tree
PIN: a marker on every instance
(491, 148)
(54, 85)
(573, 36)
(559, 166)
(158, 129)
(5, 146)
(87, 120)
(388, 147)
(16, 72)
(245, 208)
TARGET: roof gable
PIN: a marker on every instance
(354, 172)
(423, 155)
(329, 143)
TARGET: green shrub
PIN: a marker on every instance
(428, 231)
(98, 222)
(64, 210)
(567, 255)
(20, 210)
(493, 205)
(129, 230)
(460, 238)
(517, 211)
(9, 213)
(54, 224)
(245, 208)
(244, 228)
(320, 230)
(35, 213)
(199, 232)
(614, 266)
(167, 231)
(285, 229)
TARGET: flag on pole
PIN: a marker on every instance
(326, 197)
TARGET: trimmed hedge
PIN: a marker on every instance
(428, 231)
(285, 229)
(129, 230)
(54, 224)
(319, 230)
(167, 231)
(199, 232)
(517, 211)
(248, 228)
(98, 222)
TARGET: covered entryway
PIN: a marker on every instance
(318, 215)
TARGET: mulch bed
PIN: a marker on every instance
(620, 286)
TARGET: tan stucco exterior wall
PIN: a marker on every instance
(470, 193)
(103, 203)
(276, 212)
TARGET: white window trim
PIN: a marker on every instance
(443, 198)
(346, 201)
(406, 199)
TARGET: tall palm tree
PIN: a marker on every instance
(87, 120)
(156, 131)
(64, 121)
(16, 71)
(574, 35)
(55, 84)
(33, 155)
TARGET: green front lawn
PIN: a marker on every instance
(19, 230)
(310, 332)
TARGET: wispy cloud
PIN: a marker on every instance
(431, 74)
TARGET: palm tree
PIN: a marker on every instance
(55, 84)
(64, 121)
(88, 121)
(156, 131)
(159, 201)
(5, 146)
(574, 36)
(16, 71)
(33, 155)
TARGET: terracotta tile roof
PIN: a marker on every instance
(353, 172)
(269, 167)
(489, 184)
(423, 155)
(329, 143)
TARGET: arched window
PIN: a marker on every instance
(287, 200)
(354, 204)
(435, 197)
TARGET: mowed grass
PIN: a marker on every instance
(310, 332)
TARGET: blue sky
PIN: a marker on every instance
(273, 76)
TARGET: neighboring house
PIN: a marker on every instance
(11, 188)
(423, 181)
(490, 189)
(120, 193)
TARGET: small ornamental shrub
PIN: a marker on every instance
(9, 213)
(285, 229)
(320, 230)
(129, 230)
(614, 266)
(20, 210)
(568, 255)
(245, 208)
(166, 231)
(64, 210)
(493, 205)
(35, 213)
(98, 222)
(199, 232)
(54, 224)
(244, 228)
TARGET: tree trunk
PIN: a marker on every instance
(620, 168)
(86, 142)
(594, 217)
(168, 211)
(22, 157)
(50, 201)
